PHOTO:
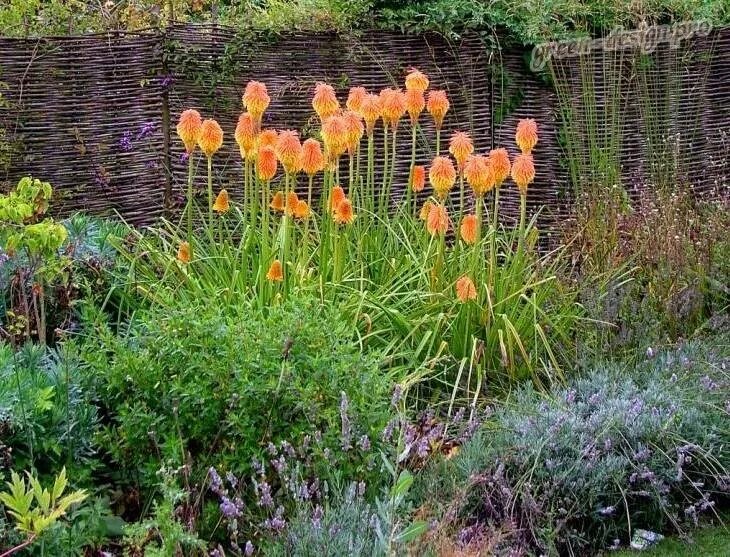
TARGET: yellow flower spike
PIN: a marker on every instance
(344, 213)
(465, 289)
(418, 180)
(355, 99)
(479, 174)
(499, 159)
(266, 163)
(437, 221)
(335, 136)
(275, 272)
(416, 81)
(188, 128)
(526, 135)
(210, 138)
(437, 106)
(221, 205)
(337, 196)
(256, 99)
(442, 176)
(415, 103)
(184, 253)
(523, 172)
(393, 105)
(277, 202)
(355, 130)
(371, 110)
(288, 149)
(292, 200)
(461, 147)
(245, 135)
(468, 229)
(302, 211)
(311, 159)
(325, 101)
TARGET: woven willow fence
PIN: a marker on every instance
(93, 114)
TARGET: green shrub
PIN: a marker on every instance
(196, 384)
(613, 451)
(45, 417)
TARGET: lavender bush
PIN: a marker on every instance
(579, 469)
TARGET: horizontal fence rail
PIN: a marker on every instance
(90, 114)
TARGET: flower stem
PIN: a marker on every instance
(210, 189)
(189, 208)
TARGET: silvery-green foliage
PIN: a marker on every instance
(645, 445)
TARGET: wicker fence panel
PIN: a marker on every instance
(84, 114)
(87, 113)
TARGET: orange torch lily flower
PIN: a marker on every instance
(461, 146)
(301, 211)
(371, 109)
(468, 229)
(393, 104)
(292, 200)
(479, 174)
(276, 272)
(277, 202)
(325, 101)
(221, 204)
(337, 196)
(344, 213)
(335, 135)
(267, 138)
(245, 135)
(499, 159)
(526, 135)
(355, 130)
(465, 289)
(355, 98)
(437, 221)
(188, 128)
(442, 176)
(437, 106)
(311, 159)
(415, 103)
(210, 138)
(184, 253)
(416, 81)
(256, 99)
(425, 210)
(418, 179)
(266, 163)
(523, 172)
(288, 149)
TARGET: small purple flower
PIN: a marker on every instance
(184, 156)
(263, 490)
(229, 509)
(146, 129)
(165, 81)
(570, 396)
(248, 550)
(707, 383)
(397, 395)
(317, 517)
(364, 443)
(125, 142)
(345, 419)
